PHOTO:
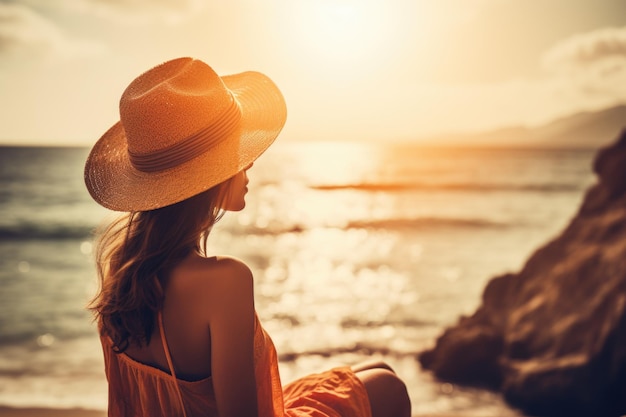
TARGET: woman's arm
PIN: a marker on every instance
(231, 322)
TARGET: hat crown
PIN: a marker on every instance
(170, 103)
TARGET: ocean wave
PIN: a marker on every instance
(423, 223)
(404, 322)
(391, 224)
(25, 232)
(33, 231)
(365, 349)
(41, 337)
(465, 187)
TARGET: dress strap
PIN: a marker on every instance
(170, 363)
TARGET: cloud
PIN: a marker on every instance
(130, 12)
(24, 31)
(590, 66)
(588, 49)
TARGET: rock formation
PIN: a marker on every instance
(552, 338)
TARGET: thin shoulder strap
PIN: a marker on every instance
(166, 348)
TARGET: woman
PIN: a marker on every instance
(178, 327)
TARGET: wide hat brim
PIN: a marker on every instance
(116, 184)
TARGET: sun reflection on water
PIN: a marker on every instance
(338, 162)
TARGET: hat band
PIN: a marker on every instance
(189, 148)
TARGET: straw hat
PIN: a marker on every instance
(182, 130)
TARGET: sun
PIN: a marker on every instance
(340, 34)
(338, 29)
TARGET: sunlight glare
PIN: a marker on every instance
(341, 34)
(339, 163)
(340, 24)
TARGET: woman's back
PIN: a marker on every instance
(200, 293)
(189, 298)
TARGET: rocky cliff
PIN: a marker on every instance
(552, 338)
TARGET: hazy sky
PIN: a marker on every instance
(360, 69)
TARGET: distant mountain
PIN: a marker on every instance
(580, 130)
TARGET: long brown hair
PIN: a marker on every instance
(134, 255)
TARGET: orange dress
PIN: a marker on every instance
(139, 390)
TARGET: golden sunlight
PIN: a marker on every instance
(331, 35)
(339, 29)
(344, 163)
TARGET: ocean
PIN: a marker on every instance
(358, 250)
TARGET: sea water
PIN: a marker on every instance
(358, 250)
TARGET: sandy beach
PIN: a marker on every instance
(49, 412)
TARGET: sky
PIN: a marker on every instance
(349, 69)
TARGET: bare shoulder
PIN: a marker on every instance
(214, 285)
(207, 271)
(225, 273)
